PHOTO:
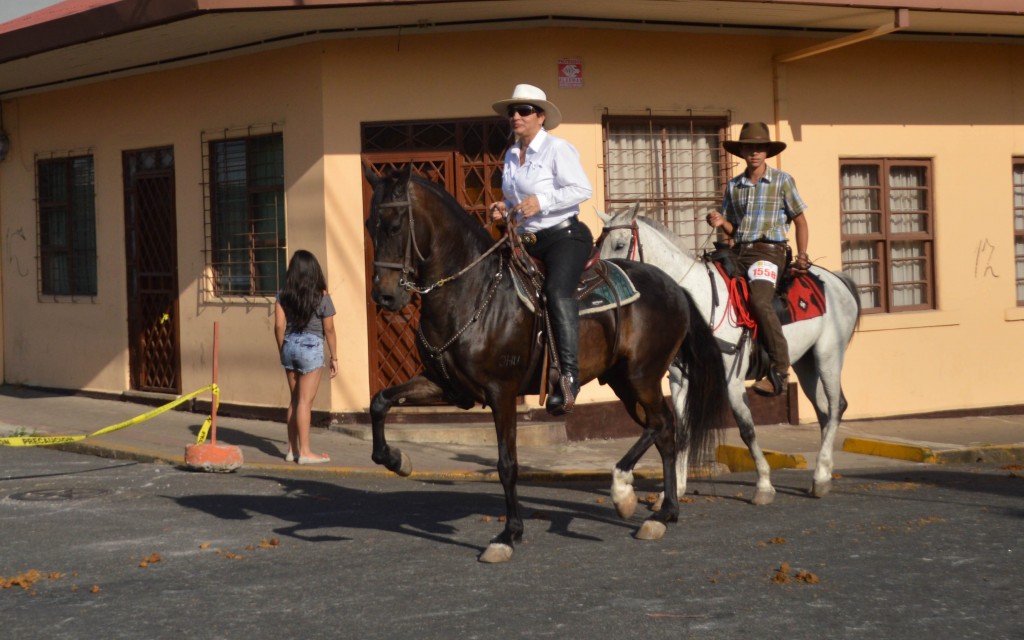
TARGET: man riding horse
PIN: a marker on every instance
(758, 207)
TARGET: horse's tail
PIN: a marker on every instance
(706, 396)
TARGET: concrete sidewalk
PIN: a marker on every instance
(473, 455)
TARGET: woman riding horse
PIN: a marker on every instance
(544, 183)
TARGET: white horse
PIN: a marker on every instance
(816, 346)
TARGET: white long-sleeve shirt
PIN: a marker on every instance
(552, 172)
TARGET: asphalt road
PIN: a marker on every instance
(130, 550)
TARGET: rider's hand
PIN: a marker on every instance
(715, 219)
(530, 206)
(802, 262)
(498, 211)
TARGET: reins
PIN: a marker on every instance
(408, 269)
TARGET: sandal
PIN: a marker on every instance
(314, 459)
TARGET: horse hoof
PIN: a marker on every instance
(626, 507)
(763, 497)
(821, 489)
(496, 552)
(405, 468)
(651, 530)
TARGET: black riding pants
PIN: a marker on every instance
(564, 252)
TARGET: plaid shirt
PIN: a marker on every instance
(764, 210)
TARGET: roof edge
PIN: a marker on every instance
(96, 22)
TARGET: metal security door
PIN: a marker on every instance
(152, 269)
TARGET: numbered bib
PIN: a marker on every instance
(763, 270)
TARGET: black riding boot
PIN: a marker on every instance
(565, 324)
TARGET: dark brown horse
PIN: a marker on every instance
(476, 336)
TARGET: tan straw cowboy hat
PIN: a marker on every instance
(529, 94)
(754, 133)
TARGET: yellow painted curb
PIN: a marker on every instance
(896, 450)
(739, 459)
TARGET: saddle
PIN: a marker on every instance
(798, 297)
(603, 286)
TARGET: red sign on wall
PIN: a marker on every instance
(570, 73)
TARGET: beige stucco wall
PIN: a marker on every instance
(83, 344)
(957, 104)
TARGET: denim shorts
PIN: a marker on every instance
(302, 352)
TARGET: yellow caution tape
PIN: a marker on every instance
(39, 441)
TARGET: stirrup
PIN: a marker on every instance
(563, 400)
(771, 385)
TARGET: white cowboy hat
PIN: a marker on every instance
(529, 94)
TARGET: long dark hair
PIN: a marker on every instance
(304, 287)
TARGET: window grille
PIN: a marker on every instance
(244, 206)
(887, 232)
(66, 219)
(675, 167)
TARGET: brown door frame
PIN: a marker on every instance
(154, 332)
(406, 321)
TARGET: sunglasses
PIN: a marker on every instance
(523, 110)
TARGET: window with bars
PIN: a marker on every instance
(887, 232)
(674, 167)
(244, 196)
(1018, 226)
(65, 196)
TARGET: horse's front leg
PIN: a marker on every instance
(503, 409)
(418, 390)
(764, 493)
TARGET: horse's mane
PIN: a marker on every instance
(670, 235)
(465, 218)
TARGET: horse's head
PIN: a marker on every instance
(392, 233)
(620, 237)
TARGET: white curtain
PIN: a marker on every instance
(860, 193)
(907, 208)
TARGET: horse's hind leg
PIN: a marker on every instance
(623, 494)
(661, 423)
(418, 390)
(819, 379)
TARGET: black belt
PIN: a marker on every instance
(533, 237)
(766, 245)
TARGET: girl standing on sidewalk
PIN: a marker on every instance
(303, 321)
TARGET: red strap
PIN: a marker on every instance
(737, 310)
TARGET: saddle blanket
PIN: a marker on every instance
(593, 292)
(803, 296)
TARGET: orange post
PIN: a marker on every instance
(210, 456)
(213, 410)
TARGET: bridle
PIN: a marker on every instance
(636, 248)
(408, 283)
(410, 274)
